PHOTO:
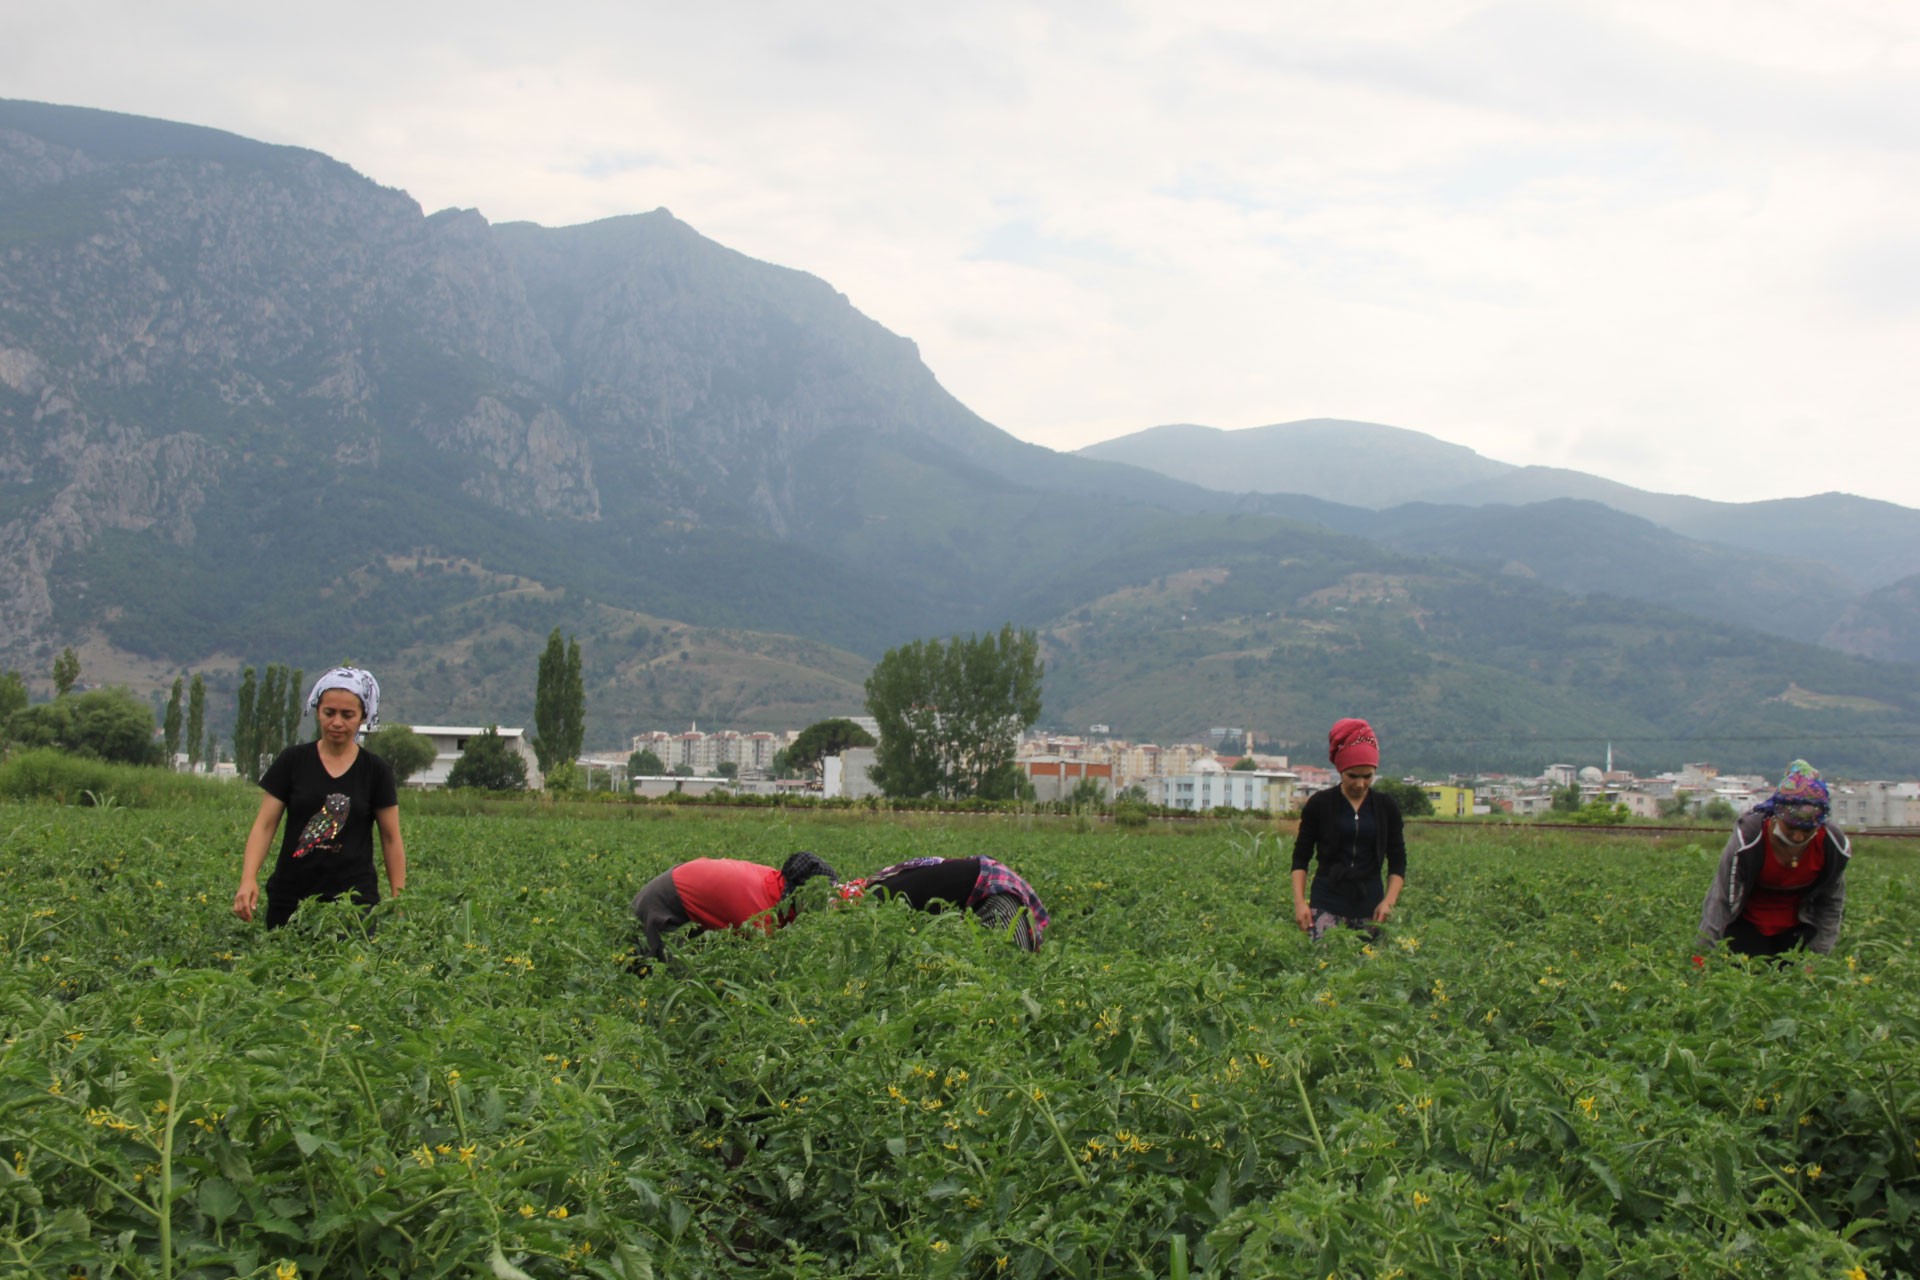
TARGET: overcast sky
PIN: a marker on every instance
(1677, 245)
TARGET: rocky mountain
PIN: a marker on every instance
(1863, 542)
(256, 407)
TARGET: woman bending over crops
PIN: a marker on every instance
(992, 891)
(1356, 831)
(722, 893)
(1782, 880)
(334, 792)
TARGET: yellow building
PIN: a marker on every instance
(1451, 802)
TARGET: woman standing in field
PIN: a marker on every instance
(722, 893)
(1356, 831)
(333, 792)
(1782, 881)
(992, 891)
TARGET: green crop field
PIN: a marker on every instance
(1526, 1076)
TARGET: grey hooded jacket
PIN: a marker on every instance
(1820, 906)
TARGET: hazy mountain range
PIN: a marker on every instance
(256, 407)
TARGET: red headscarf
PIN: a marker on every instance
(1350, 743)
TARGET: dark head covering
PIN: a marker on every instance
(799, 869)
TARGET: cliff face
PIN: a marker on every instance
(189, 318)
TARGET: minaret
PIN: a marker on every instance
(1609, 757)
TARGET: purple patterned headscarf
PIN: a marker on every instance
(1801, 800)
(354, 680)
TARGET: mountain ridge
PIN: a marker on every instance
(269, 408)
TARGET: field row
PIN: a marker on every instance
(1525, 1075)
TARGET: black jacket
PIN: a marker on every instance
(1348, 882)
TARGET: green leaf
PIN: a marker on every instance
(218, 1200)
(501, 1268)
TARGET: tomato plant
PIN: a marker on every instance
(1524, 1075)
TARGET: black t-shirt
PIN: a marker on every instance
(942, 883)
(328, 847)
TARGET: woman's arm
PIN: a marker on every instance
(1716, 913)
(1302, 913)
(392, 851)
(1394, 885)
(259, 840)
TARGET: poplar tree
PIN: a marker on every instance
(559, 704)
(170, 723)
(196, 721)
(246, 742)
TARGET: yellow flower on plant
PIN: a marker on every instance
(287, 1271)
(939, 1246)
(468, 1152)
(1421, 1199)
(1588, 1104)
(527, 1211)
(1857, 1273)
(558, 1211)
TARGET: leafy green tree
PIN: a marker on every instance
(951, 714)
(645, 764)
(727, 769)
(1718, 810)
(559, 705)
(406, 751)
(66, 672)
(246, 740)
(819, 740)
(108, 724)
(1088, 793)
(1412, 799)
(1566, 799)
(210, 754)
(489, 764)
(13, 698)
(170, 725)
(1244, 764)
(196, 721)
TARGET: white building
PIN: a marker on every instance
(1859, 805)
(849, 775)
(1211, 787)
(450, 743)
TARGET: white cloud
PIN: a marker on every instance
(1649, 240)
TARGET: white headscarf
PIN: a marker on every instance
(355, 681)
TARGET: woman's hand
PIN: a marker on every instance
(1303, 916)
(246, 900)
(1381, 912)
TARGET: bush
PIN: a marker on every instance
(110, 724)
(406, 751)
(489, 764)
(46, 774)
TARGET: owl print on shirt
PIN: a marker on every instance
(324, 827)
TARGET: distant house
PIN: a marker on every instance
(1451, 801)
(1055, 777)
(450, 742)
